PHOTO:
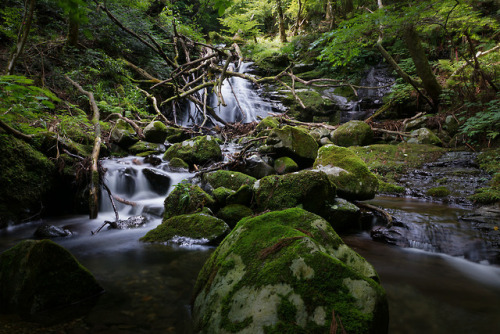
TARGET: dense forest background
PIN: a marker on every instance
(129, 54)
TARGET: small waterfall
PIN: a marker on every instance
(243, 103)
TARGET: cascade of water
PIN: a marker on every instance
(243, 103)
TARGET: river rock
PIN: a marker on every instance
(51, 231)
(158, 181)
(424, 136)
(233, 213)
(342, 215)
(285, 165)
(267, 123)
(143, 146)
(228, 179)
(186, 198)
(347, 172)
(41, 275)
(352, 133)
(293, 142)
(311, 189)
(221, 194)
(200, 151)
(286, 272)
(176, 135)
(123, 134)
(204, 228)
(155, 132)
(242, 196)
(130, 222)
(257, 167)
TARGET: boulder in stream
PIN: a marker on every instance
(51, 231)
(40, 275)
(347, 172)
(201, 227)
(424, 136)
(293, 142)
(200, 151)
(123, 134)
(228, 179)
(186, 198)
(352, 133)
(158, 180)
(285, 165)
(155, 132)
(287, 272)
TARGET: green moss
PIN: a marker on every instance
(200, 151)
(195, 226)
(233, 213)
(293, 142)
(353, 133)
(267, 123)
(228, 179)
(488, 195)
(178, 163)
(242, 196)
(389, 188)
(285, 165)
(221, 194)
(186, 198)
(440, 191)
(142, 146)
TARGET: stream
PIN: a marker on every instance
(148, 287)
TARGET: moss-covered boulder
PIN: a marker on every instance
(242, 196)
(41, 275)
(342, 215)
(203, 228)
(176, 135)
(200, 151)
(310, 189)
(285, 165)
(27, 177)
(158, 180)
(352, 133)
(178, 165)
(221, 194)
(287, 272)
(347, 172)
(267, 123)
(143, 146)
(293, 142)
(424, 136)
(155, 132)
(228, 179)
(186, 198)
(233, 213)
(123, 134)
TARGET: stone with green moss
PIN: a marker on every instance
(143, 146)
(285, 165)
(155, 132)
(221, 194)
(176, 135)
(287, 271)
(347, 172)
(40, 275)
(26, 180)
(310, 189)
(424, 136)
(233, 213)
(176, 164)
(267, 123)
(352, 133)
(390, 188)
(202, 227)
(123, 134)
(186, 198)
(293, 142)
(440, 191)
(242, 196)
(228, 179)
(199, 150)
(342, 215)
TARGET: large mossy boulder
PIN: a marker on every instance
(123, 134)
(293, 142)
(186, 198)
(285, 165)
(200, 151)
(342, 215)
(287, 272)
(352, 133)
(347, 172)
(155, 132)
(233, 213)
(228, 179)
(201, 227)
(37, 276)
(267, 123)
(26, 179)
(310, 189)
(143, 146)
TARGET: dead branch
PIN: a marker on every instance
(385, 214)
(124, 201)
(136, 127)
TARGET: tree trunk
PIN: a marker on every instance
(73, 32)
(21, 37)
(423, 68)
(281, 18)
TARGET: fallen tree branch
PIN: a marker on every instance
(14, 132)
(136, 127)
(385, 214)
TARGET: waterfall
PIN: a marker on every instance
(243, 103)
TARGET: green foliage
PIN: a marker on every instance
(75, 9)
(485, 122)
(184, 194)
(10, 18)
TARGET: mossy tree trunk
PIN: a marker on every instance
(422, 65)
(281, 22)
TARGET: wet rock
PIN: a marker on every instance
(424, 136)
(186, 198)
(143, 146)
(221, 194)
(155, 132)
(200, 151)
(285, 165)
(347, 172)
(342, 215)
(242, 196)
(123, 134)
(130, 222)
(153, 160)
(310, 189)
(286, 271)
(159, 182)
(40, 275)
(352, 133)
(267, 123)
(293, 142)
(176, 135)
(51, 231)
(200, 226)
(257, 167)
